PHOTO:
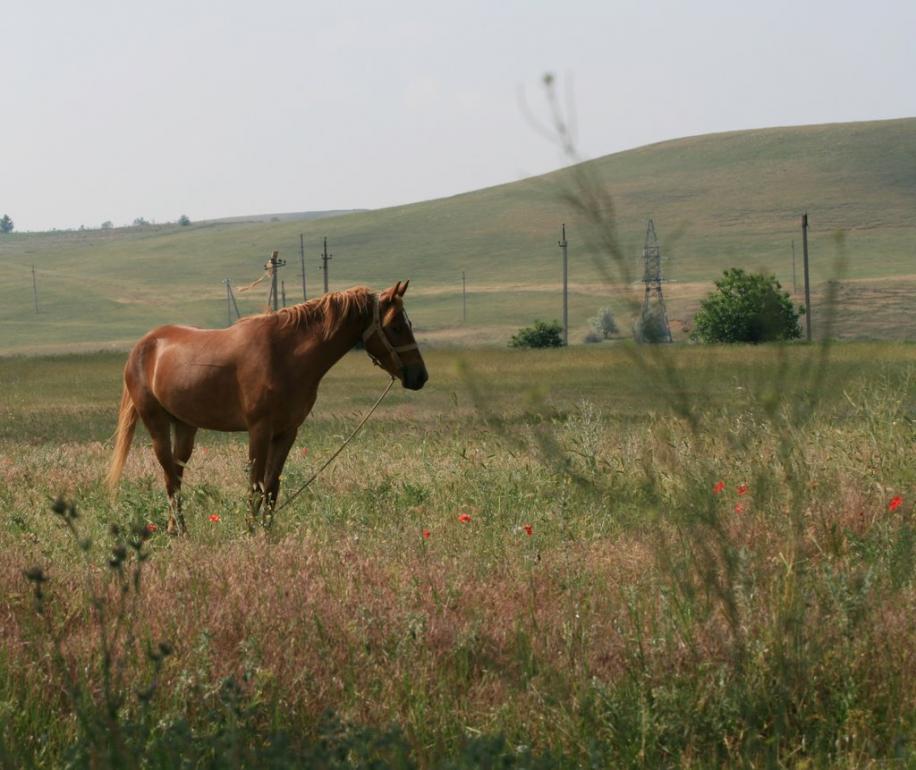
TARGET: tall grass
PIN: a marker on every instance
(644, 622)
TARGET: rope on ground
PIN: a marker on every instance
(340, 449)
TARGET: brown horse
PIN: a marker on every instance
(259, 375)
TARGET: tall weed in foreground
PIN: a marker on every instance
(779, 629)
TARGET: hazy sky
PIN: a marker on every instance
(115, 110)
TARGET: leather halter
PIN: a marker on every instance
(376, 328)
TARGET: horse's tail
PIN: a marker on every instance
(127, 423)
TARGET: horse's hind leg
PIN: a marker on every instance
(181, 453)
(159, 424)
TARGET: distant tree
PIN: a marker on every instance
(6, 224)
(747, 307)
(107, 224)
(603, 325)
(544, 334)
(140, 222)
(184, 220)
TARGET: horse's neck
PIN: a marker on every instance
(321, 355)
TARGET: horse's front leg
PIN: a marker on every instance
(258, 447)
(280, 445)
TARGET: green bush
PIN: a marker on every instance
(544, 334)
(747, 307)
(651, 327)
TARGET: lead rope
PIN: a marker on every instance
(340, 449)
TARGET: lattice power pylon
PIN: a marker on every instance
(653, 280)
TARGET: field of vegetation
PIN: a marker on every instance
(589, 557)
(718, 201)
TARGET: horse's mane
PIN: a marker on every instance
(326, 313)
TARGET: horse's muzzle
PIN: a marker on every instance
(415, 376)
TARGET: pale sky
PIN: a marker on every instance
(111, 110)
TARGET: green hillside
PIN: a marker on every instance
(718, 200)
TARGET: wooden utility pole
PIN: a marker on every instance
(34, 288)
(464, 298)
(325, 258)
(274, 265)
(231, 304)
(563, 246)
(807, 282)
(283, 292)
(302, 263)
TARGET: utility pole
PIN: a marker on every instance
(325, 257)
(274, 264)
(302, 263)
(807, 282)
(794, 284)
(563, 246)
(230, 297)
(283, 292)
(228, 302)
(34, 288)
(464, 299)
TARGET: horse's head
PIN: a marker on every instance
(389, 338)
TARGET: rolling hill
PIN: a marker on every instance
(719, 200)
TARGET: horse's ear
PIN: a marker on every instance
(403, 288)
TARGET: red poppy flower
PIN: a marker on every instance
(742, 489)
(739, 508)
(464, 518)
(718, 487)
(151, 527)
(529, 530)
(426, 534)
(214, 517)
(895, 503)
(304, 451)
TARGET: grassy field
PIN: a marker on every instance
(593, 557)
(718, 201)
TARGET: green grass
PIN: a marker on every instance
(645, 622)
(718, 201)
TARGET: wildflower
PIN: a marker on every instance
(426, 534)
(464, 518)
(718, 487)
(214, 517)
(529, 529)
(739, 508)
(895, 502)
(742, 489)
(304, 451)
(151, 527)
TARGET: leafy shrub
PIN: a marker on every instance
(747, 307)
(544, 334)
(650, 327)
(604, 326)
